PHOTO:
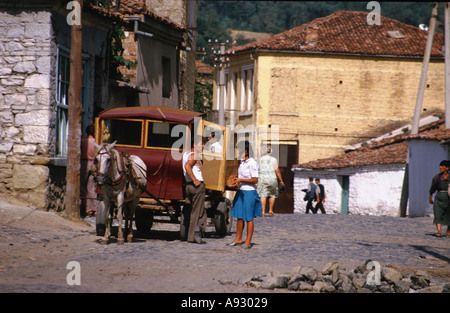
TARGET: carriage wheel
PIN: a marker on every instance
(222, 218)
(143, 220)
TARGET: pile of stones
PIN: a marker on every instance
(332, 279)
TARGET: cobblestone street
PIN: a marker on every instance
(36, 246)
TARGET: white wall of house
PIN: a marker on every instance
(373, 189)
(333, 190)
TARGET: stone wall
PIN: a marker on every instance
(27, 56)
(174, 10)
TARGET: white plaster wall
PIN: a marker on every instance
(373, 190)
(376, 191)
(333, 191)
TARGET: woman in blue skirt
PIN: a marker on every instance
(246, 203)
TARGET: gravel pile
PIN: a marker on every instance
(365, 278)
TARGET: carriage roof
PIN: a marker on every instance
(154, 112)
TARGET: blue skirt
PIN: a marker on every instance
(246, 205)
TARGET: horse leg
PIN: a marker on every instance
(120, 239)
(130, 215)
(107, 204)
(125, 216)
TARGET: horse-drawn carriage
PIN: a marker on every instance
(157, 135)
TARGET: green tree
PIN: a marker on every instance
(203, 93)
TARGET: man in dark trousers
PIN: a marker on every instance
(195, 191)
(311, 192)
(320, 197)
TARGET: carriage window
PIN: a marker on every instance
(160, 135)
(125, 132)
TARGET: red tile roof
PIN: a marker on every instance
(203, 68)
(348, 32)
(387, 151)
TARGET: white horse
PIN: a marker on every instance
(122, 180)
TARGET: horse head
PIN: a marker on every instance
(102, 162)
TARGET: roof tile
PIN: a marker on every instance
(392, 150)
(349, 32)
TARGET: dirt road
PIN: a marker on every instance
(36, 248)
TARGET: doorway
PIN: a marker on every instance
(288, 156)
(345, 191)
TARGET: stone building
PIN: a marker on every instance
(34, 80)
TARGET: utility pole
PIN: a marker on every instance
(72, 197)
(423, 74)
(221, 61)
(447, 63)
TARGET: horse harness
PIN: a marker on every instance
(124, 168)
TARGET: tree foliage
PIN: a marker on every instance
(203, 93)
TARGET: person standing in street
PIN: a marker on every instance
(269, 175)
(88, 187)
(195, 191)
(441, 203)
(246, 203)
(215, 145)
(320, 197)
(312, 195)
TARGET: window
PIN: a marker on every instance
(166, 81)
(124, 132)
(247, 89)
(160, 134)
(62, 98)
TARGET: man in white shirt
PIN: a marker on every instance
(215, 145)
(195, 191)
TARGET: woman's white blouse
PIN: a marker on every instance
(248, 169)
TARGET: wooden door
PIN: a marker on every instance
(345, 191)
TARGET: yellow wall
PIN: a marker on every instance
(328, 102)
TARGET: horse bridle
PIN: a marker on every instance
(108, 180)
